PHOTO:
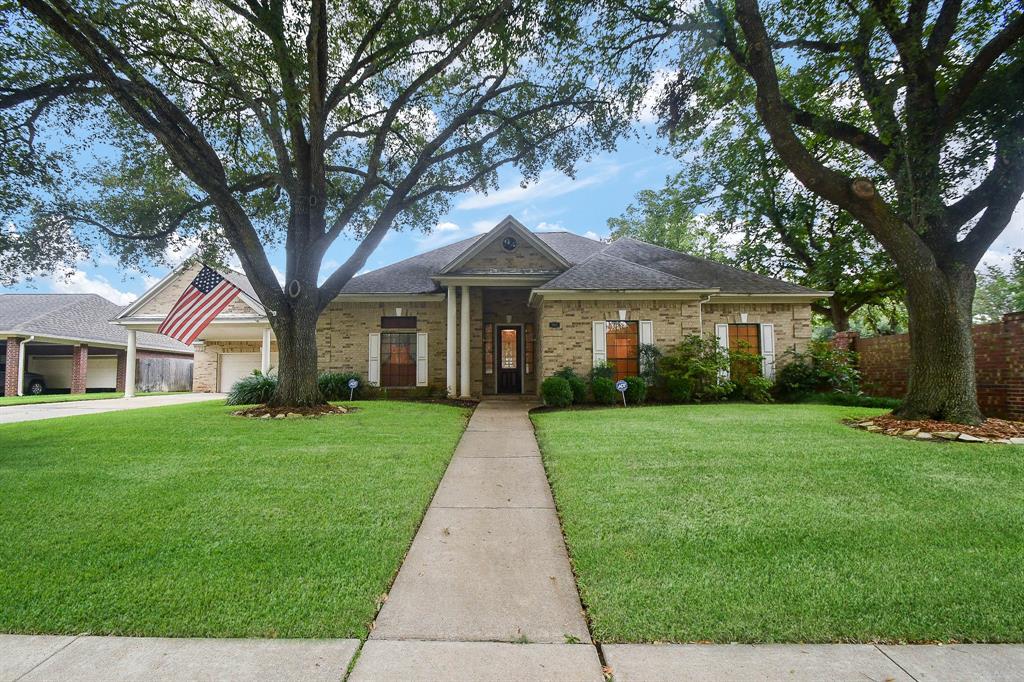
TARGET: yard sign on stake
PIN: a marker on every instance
(621, 387)
(352, 386)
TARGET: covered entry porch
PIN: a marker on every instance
(491, 338)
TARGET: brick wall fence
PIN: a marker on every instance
(884, 363)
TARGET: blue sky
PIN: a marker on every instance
(603, 188)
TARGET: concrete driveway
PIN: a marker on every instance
(27, 413)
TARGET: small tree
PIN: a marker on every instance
(263, 124)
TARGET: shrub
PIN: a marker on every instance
(254, 389)
(756, 388)
(334, 385)
(556, 392)
(576, 383)
(603, 390)
(821, 368)
(693, 370)
(636, 390)
(603, 369)
(650, 363)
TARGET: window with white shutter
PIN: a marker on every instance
(421, 359)
(768, 351)
(373, 371)
(600, 352)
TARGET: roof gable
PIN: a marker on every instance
(487, 255)
(161, 297)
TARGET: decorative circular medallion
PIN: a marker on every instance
(509, 243)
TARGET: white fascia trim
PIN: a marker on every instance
(495, 280)
(385, 298)
(539, 295)
(770, 298)
(508, 221)
(219, 320)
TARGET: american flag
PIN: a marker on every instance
(202, 300)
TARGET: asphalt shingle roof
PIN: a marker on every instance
(76, 317)
(623, 264)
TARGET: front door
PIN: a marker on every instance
(510, 359)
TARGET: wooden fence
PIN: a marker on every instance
(163, 374)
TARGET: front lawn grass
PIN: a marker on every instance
(775, 523)
(6, 401)
(188, 521)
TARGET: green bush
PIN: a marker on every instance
(822, 368)
(576, 383)
(254, 389)
(636, 390)
(556, 392)
(693, 370)
(603, 390)
(603, 370)
(756, 388)
(334, 385)
(650, 363)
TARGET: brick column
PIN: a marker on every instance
(1013, 337)
(79, 367)
(122, 368)
(845, 340)
(11, 370)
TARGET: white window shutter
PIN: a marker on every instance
(722, 332)
(421, 358)
(646, 335)
(373, 373)
(600, 343)
(768, 350)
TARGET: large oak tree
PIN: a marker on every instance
(249, 124)
(928, 95)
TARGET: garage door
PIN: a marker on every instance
(234, 366)
(101, 372)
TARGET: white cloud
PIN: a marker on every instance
(649, 104)
(446, 226)
(590, 234)
(550, 184)
(481, 226)
(80, 282)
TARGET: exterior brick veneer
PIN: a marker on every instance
(11, 370)
(884, 363)
(122, 367)
(79, 367)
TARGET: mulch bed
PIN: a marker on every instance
(997, 430)
(264, 412)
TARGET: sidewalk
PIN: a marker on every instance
(486, 592)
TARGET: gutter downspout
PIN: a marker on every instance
(700, 314)
(21, 365)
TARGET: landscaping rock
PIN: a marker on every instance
(874, 428)
(910, 433)
(864, 425)
(1017, 441)
(279, 416)
(293, 415)
(968, 438)
(948, 435)
(923, 435)
(266, 416)
(1003, 441)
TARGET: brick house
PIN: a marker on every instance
(499, 312)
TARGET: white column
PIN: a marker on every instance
(464, 350)
(129, 366)
(265, 352)
(450, 345)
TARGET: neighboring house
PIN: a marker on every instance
(66, 343)
(499, 312)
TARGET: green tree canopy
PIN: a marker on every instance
(131, 126)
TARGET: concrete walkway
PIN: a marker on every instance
(486, 592)
(89, 659)
(27, 413)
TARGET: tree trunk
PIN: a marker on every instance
(942, 383)
(839, 314)
(297, 356)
